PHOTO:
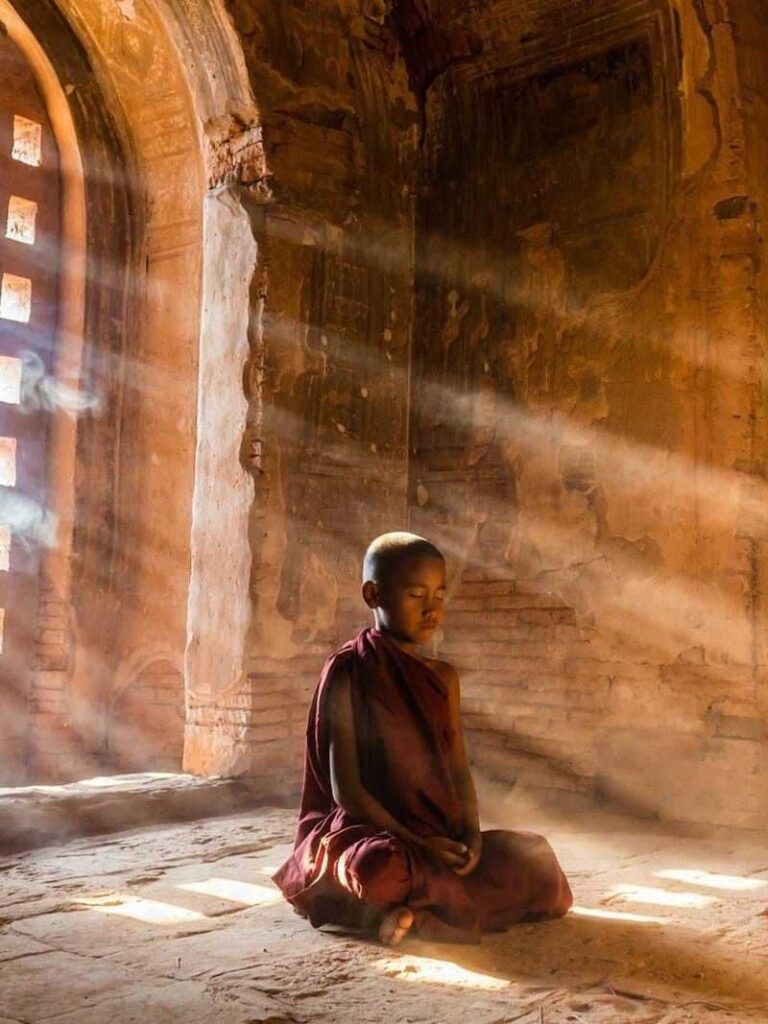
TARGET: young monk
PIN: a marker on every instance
(388, 833)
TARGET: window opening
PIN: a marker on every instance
(16, 298)
(7, 461)
(22, 217)
(27, 141)
(10, 380)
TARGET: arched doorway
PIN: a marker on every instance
(134, 487)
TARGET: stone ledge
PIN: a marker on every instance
(33, 816)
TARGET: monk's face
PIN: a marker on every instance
(410, 602)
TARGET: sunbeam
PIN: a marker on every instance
(438, 972)
(660, 897)
(615, 915)
(235, 891)
(708, 880)
(139, 909)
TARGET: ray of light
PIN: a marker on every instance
(147, 911)
(237, 892)
(131, 779)
(633, 466)
(669, 614)
(731, 883)
(440, 972)
(629, 461)
(469, 271)
(99, 782)
(615, 915)
(686, 609)
(660, 897)
(680, 611)
(17, 791)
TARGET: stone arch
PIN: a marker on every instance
(150, 99)
(146, 714)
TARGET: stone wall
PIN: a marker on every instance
(328, 372)
(492, 269)
(130, 104)
(589, 404)
(145, 721)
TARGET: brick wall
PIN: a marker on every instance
(585, 393)
(531, 689)
(54, 752)
(587, 427)
(145, 722)
(340, 136)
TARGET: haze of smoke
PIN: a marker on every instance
(29, 522)
(41, 390)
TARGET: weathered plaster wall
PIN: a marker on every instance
(203, 400)
(219, 601)
(538, 227)
(328, 369)
(589, 412)
(160, 105)
(123, 600)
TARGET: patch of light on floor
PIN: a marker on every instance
(616, 915)
(661, 897)
(732, 883)
(98, 782)
(238, 892)
(440, 972)
(148, 911)
(17, 791)
(101, 781)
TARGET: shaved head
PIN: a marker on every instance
(390, 549)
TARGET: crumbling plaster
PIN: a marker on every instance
(493, 269)
(329, 363)
(601, 347)
(148, 126)
(168, 525)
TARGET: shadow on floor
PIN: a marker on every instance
(669, 963)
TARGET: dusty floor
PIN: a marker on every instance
(180, 923)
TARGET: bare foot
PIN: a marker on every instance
(395, 926)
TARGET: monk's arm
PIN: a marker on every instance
(348, 790)
(462, 777)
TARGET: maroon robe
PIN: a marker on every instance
(345, 871)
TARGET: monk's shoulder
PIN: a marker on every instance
(338, 667)
(446, 672)
(336, 675)
(332, 693)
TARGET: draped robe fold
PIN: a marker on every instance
(346, 871)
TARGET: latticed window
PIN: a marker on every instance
(29, 253)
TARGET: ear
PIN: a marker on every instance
(371, 594)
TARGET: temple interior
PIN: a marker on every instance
(278, 276)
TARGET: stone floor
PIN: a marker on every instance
(33, 816)
(180, 923)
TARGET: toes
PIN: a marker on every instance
(395, 926)
(404, 922)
